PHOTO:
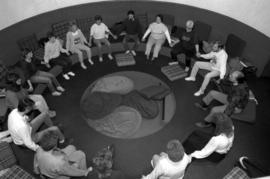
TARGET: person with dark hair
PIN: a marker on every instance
(217, 66)
(54, 55)
(53, 162)
(23, 130)
(99, 33)
(187, 43)
(15, 92)
(76, 43)
(158, 34)
(171, 164)
(34, 75)
(219, 142)
(132, 28)
(233, 102)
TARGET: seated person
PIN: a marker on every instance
(218, 143)
(15, 92)
(34, 75)
(76, 43)
(158, 34)
(132, 28)
(99, 33)
(186, 43)
(24, 131)
(233, 102)
(54, 55)
(53, 162)
(217, 66)
(171, 164)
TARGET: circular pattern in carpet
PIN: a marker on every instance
(107, 105)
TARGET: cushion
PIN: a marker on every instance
(16, 172)
(236, 173)
(123, 59)
(235, 46)
(173, 72)
(207, 47)
(156, 92)
(7, 158)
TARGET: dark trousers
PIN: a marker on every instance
(197, 140)
(178, 49)
(129, 37)
(63, 61)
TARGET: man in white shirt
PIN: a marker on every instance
(24, 132)
(99, 33)
(217, 66)
(170, 165)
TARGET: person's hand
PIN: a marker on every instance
(47, 65)
(115, 37)
(90, 44)
(67, 53)
(30, 89)
(88, 170)
(171, 44)
(143, 39)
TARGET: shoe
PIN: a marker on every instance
(100, 59)
(83, 66)
(133, 52)
(52, 113)
(202, 124)
(199, 105)
(190, 79)
(110, 56)
(186, 69)
(90, 61)
(71, 73)
(56, 93)
(127, 52)
(60, 88)
(66, 76)
(153, 58)
(199, 93)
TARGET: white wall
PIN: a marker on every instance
(255, 13)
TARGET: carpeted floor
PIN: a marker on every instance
(133, 155)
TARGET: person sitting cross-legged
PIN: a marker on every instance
(54, 55)
(24, 131)
(171, 164)
(52, 162)
(212, 145)
(233, 102)
(99, 33)
(217, 66)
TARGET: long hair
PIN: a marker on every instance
(224, 124)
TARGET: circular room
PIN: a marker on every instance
(134, 89)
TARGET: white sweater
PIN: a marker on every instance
(52, 50)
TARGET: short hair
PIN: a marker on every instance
(160, 16)
(219, 43)
(25, 103)
(190, 23)
(11, 78)
(131, 12)
(224, 124)
(49, 141)
(50, 35)
(98, 17)
(240, 77)
(175, 150)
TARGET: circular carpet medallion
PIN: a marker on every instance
(118, 105)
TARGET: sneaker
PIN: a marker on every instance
(90, 61)
(203, 124)
(110, 56)
(199, 105)
(52, 113)
(198, 93)
(60, 88)
(127, 52)
(71, 73)
(190, 79)
(186, 69)
(83, 66)
(100, 59)
(66, 76)
(133, 52)
(56, 93)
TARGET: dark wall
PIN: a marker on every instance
(257, 50)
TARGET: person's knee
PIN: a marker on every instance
(208, 76)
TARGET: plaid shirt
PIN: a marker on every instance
(237, 97)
